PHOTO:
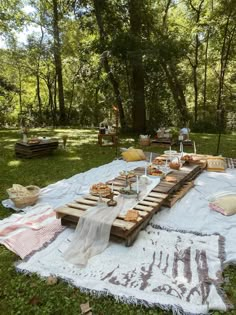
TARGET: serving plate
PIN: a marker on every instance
(170, 152)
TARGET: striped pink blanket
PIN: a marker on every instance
(28, 232)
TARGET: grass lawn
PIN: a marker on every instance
(28, 294)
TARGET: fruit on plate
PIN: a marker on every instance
(153, 171)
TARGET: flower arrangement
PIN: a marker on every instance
(25, 131)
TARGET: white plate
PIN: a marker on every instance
(170, 152)
(157, 176)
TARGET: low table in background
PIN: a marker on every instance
(103, 138)
(31, 150)
(164, 141)
(187, 143)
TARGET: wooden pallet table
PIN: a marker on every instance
(147, 207)
(164, 141)
(187, 143)
(26, 150)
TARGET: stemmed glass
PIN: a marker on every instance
(100, 200)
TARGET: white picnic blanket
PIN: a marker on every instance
(191, 213)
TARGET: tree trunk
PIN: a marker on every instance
(177, 92)
(195, 78)
(38, 78)
(39, 97)
(58, 63)
(138, 108)
(20, 90)
(205, 75)
(50, 102)
(225, 53)
(98, 6)
(195, 63)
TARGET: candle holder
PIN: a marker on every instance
(137, 198)
(111, 202)
(100, 200)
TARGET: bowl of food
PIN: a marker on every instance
(175, 165)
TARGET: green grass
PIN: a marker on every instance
(29, 294)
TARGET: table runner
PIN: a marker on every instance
(92, 233)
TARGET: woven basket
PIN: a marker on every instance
(27, 200)
(144, 141)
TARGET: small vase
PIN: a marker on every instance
(25, 139)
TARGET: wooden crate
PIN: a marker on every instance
(123, 230)
(26, 150)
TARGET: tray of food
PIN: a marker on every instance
(100, 189)
(154, 171)
(127, 174)
(33, 141)
(190, 159)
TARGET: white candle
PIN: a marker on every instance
(137, 184)
(170, 153)
(194, 148)
(125, 168)
(150, 158)
(112, 187)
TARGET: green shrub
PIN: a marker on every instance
(205, 126)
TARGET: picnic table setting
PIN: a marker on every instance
(148, 229)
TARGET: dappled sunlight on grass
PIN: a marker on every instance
(12, 141)
(14, 163)
(206, 137)
(73, 158)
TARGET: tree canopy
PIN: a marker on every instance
(164, 62)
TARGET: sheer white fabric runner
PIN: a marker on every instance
(92, 233)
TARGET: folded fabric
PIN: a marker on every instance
(216, 164)
(225, 204)
(133, 155)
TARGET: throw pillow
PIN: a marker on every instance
(216, 164)
(133, 155)
(225, 205)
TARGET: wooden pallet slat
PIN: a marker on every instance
(178, 195)
(77, 213)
